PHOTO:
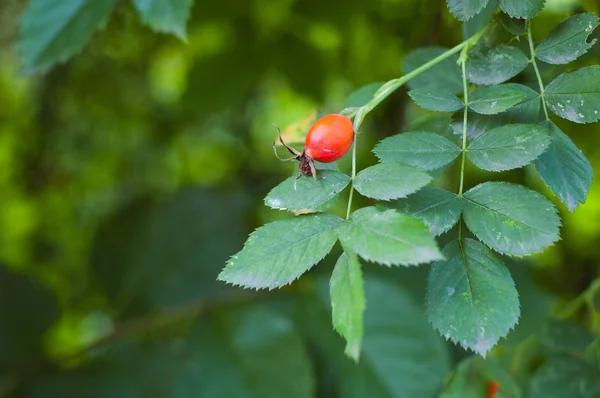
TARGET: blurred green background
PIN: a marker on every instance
(130, 174)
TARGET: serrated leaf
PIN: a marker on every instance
(565, 377)
(348, 304)
(390, 180)
(490, 100)
(528, 110)
(479, 21)
(517, 27)
(445, 75)
(575, 96)
(495, 65)
(524, 9)
(388, 237)
(439, 100)
(362, 95)
(566, 171)
(465, 9)
(438, 209)
(54, 30)
(305, 193)
(508, 147)
(471, 297)
(165, 16)
(568, 41)
(429, 151)
(510, 218)
(279, 252)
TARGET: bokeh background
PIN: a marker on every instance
(131, 173)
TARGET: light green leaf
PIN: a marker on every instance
(575, 96)
(438, 209)
(490, 100)
(429, 151)
(471, 297)
(565, 377)
(508, 147)
(445, 75)
(566, 171)
(305, 193)
(388, 237)
(495, 65)
(525, 9)
(510, 218)
(54, 30)
(362, 95)
(568, 41)
(390, 180)
(465, 9)
(348, 304)
(165, 16)
(278, 253)
(439, 100)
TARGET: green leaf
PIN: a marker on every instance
(510, 218)
(471, 297)
(479, 21)
(390, 180)
(476, 124)
(54, 30)
(439, 100)
(565, 377)
(495, 99)
(429, 151)
(495, 65)
(508, 147)
(566, 171)
(446, 75)
(305, 193)
(524, 9)
(362, 95)
(517, 27)
(438, 209)
(165, 16)
(565, 336)
(528, 110)
(388, 237)
(279, 252)
(575, 96)
(568, 41)
(466, 9)
(348, 304)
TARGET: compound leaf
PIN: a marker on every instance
(390, 180)
(471, 297)
(510, 218)
(165, 16)
(279, 252)
(429, 151)
(438, 100)
(575, 96)
(490, 100)
(495, 65)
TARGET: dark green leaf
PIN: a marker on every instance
(429, 151)
(528, 110)
(495, 65)
(438, 209)
(565, 337)
(568, 41)
(278, 253)
(165, 16)
(517, 27)
(508, 147)
(476, 124)
(525, 9)
(471, 297)
(439, 100)
(445, 75)
(305, 193)
(390, 180)
(575, 96)
(363, 95)
(566, 171)
(52, 31)
(479, 21)
(348, 304)
(510, 218)
(388, 237)
(466, 9)
(565, 377)
(495, 99)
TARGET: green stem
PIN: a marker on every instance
(464, 131)
(353, 175)
(537, 71)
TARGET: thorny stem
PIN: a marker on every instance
(388, 88)
(537, 71)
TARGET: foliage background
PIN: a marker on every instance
(131, 173)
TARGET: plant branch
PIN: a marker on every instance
(537, 71)
(353, 175)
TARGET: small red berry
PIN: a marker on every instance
(493, 389)
(328, 139)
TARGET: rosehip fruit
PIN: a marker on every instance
(328, 139)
